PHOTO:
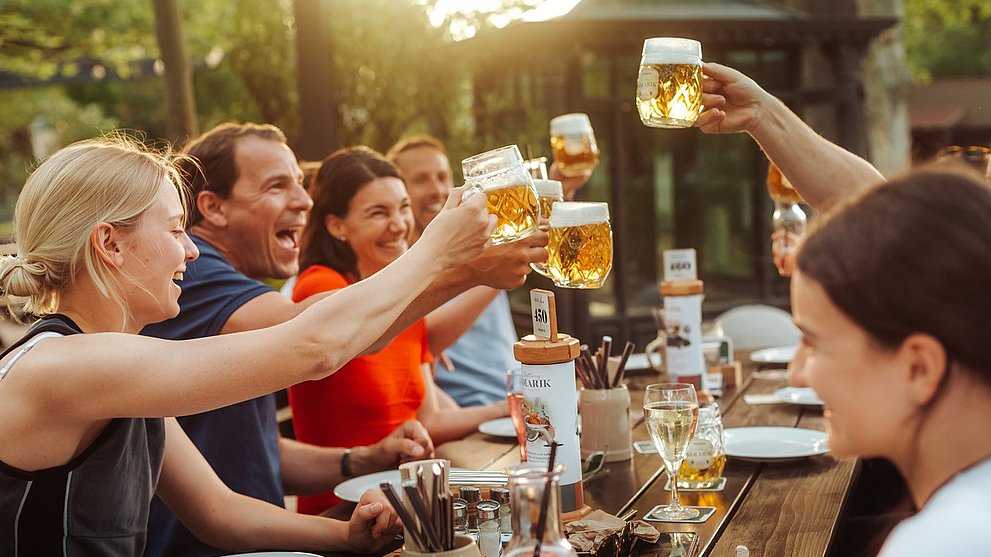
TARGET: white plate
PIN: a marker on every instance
(274, 554)
(351, 490)
(774, 443)
(774, 355)
(798, 395)
(500, 427)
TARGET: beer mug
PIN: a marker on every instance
(573, 144)
(537, 167)
(549, 192)
(508, 189)
(579, 244)
(669, 86)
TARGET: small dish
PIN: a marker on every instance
(351, 490)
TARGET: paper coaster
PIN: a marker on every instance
(645, 447)
(681, 487)
(705, 513)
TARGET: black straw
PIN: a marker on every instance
(403, 512)
(621, 370)
(545, 500)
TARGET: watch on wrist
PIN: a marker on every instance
(346, 464)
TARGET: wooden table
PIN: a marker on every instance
(782, 509)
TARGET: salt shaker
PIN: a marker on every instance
(501, 496)
(471, 495)
(489, 537)
(460, 507)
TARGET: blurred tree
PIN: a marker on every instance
(180, 113)
(948, 38)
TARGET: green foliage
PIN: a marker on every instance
(948, 38)
(40, 37)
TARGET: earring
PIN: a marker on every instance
(343, 240)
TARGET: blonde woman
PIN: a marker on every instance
(83, 442)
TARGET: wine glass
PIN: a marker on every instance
(514, 394)
(671, 412)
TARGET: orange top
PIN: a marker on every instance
(367, 398)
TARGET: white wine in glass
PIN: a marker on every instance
(671, 411)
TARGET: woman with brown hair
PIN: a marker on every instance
(891, 295)
(361, 222)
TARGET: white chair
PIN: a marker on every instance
(758, 326)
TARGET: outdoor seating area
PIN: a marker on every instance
(495, 278)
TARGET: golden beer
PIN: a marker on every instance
(694, 478)
(573, 144)
(579, 245)
(705, 457)
(516, 210)
(779, 188)
(549, 192)
(669, 85)
(508, 188)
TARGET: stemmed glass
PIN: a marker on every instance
(514, 394)
(671, 411)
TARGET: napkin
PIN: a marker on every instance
(587, 533)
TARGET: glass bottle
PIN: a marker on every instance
(527, 484)
(489, 536)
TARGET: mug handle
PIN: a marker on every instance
(659, 346)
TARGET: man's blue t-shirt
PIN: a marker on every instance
(481, 357)
(241, 442)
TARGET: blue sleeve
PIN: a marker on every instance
(212, 290)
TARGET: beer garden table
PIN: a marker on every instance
(787, 509)
(779, 509)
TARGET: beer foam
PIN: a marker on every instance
(577, 213)
(574, 123)
(548, 188)
(671, 50)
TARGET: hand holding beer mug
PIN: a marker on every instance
(579, 245)
(508, 189)
(573, 144)
(669, 86)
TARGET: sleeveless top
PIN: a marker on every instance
(97, 503)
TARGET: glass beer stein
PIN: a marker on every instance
(669, 85)
(705, 458)
(579, 245)
(549, 192)
(573, 144)
(509, 193)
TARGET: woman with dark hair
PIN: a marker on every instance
(891, 295)
(360, 222)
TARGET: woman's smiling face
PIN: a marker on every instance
(377, 224)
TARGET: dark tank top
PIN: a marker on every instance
(96, 504)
